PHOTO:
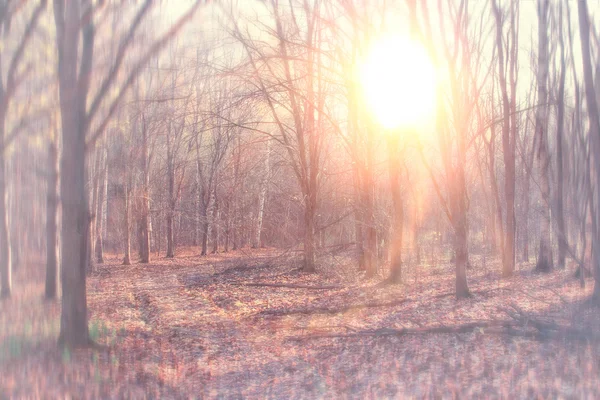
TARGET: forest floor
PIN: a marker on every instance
(203, 327)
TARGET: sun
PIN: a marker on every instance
(398, 82)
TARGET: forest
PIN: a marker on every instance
(299, 199)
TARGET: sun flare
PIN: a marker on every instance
(399, 82)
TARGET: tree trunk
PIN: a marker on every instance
(144, 202)
(459, 222)
(368, 204)
(560, 218)
(215, 224)
(309, 234)
(461, 252)
(100, 210)
(358, 218)
(508, 147)
(95, 178)
(545, 262)
(126, 226)
(227, 223)
(594, 117)
(5, 253)
(263, 196)
(171, 206)
(398, 212)
(51, 221)
(15, 223)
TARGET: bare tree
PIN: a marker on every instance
(509, 128)
(74, 82)
(594, 123)
(545, 262)
(8, 86)
(560, 126)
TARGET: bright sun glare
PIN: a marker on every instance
(399, 82)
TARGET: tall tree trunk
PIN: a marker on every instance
(204, 233)
(227, 223)
(262, 198)
(51, 221)
(560, 218)
(508, 254)
(15, 223)
(5, 248)
(545, 262)
(171, 207)
(398, 211)
(594, 117)
(95, 184)
(358, 218)
(459, 215)
(309, 233)
(215, 223)
(100, 210)
(368, 205)
(235, 200)
(126, 225)
(144, 201)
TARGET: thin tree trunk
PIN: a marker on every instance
(459, 217)
(227, 223)
(263, 196)
(100, 210)
(509, 154)
(398, 212)
(560, 218)
(215, 223)
(545, 262)
(358, 218)
(368, 204)
(5, 250)
(309, 233)
(15, 224)
(144, 201)
(126, 225)
(171, 206)
(95, 178)
(51, 221)
(594, 119)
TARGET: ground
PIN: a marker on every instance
(192, 328)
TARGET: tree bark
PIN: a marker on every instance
(309, 234)
(398, 211)
(144, 202)
(545, 262)
(5, 248)
(126, 224)
(75, 213)
(215, 223)
(171, 205)
(368, 207)
(51, 221)
(95, 185)
(262, 198)
(508, 147)
(100, 210)
(459, 222)
(560, 218)
(594, 119)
